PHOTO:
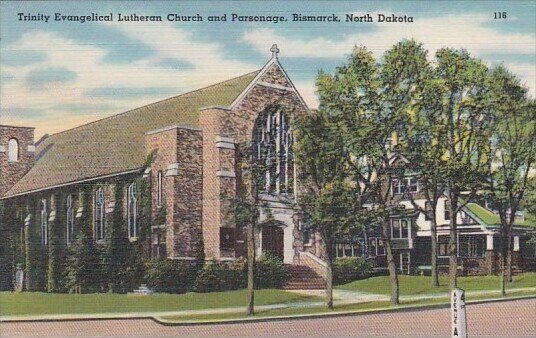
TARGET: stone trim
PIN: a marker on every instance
(225, 173)
(79, 212)
(172, 170)
(52, 216)
(175, 126)
(225, 142)
(215, 107)
(225, 139)
(275, 86)
(110, 207)
(31, 148)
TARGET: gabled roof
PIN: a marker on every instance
(116, 144)
(489, 219)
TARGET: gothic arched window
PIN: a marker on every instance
(273, 152)
(132, 211)
(70, 219)
(99, 214)
(13, 150)
(44, 222)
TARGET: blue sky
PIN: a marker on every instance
(58, 75)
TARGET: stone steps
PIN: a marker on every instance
(303, 277)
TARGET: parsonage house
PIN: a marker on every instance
(180, 162)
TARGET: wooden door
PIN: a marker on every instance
(272, 240)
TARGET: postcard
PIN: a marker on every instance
(267, 168)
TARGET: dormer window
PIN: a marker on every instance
(13, 150)
(408, 184)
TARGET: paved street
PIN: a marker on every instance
(502, 319)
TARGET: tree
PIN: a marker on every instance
(369, 103)
(465, 114)
(244, 208)
(423, 147)
(327, 201)
(512, 155)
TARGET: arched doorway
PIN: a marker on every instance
(273, 239)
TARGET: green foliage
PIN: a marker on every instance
(346, 270)
(171, 276)
(270, 272)
(217, 276)
(55, 246)
(83, 269)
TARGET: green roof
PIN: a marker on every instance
(490, 219)
(117, 144)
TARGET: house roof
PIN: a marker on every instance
(116, 144)
(490, 219)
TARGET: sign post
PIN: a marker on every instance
(459, 317)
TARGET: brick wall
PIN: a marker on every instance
(11, 172)
(238, 125)
(179, 158)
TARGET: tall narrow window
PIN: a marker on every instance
(13, 150)
(273, 152)
(99, 214)
(404, 229)
(70, 219)
(395, 228)
(159, 187)
(132, 211)
(428, 212)
(447, 210)
(44, 222)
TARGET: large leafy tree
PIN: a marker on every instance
(512, 154)
(369, 102)
(329, 205)
(423, 148)
(465, 114)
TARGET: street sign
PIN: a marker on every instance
(459, 317)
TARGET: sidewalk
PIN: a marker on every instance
(341, 297)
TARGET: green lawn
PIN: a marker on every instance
(37, 303)
(417, 285)
(317, 310)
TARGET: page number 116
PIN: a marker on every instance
(499, 15)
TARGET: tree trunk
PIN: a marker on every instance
(329, 286)
(502, 263)
(508, 255)
(433, 234)
(251, 266)
(453, 247)
(393, 274)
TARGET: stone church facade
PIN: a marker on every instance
(191, 153)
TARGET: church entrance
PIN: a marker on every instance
(272, 240)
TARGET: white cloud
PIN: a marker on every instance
(449, 31)
(461, 31)
(86, 61)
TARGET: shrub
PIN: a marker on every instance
(171, 276)
(270, 272)
(216, 276)
(349, 269)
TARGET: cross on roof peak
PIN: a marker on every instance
(274, 51)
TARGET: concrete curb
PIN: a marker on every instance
(409, 308)
(161, 321)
